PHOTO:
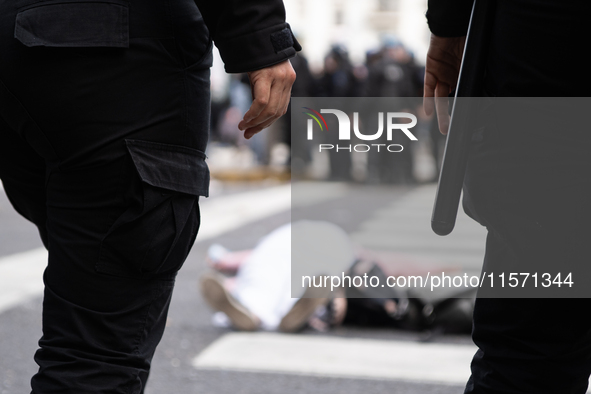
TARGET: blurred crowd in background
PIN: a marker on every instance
(388, 71)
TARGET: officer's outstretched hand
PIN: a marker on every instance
(442, 68)
(271, 90)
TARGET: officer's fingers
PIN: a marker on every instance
(428, 105)
(248, 133)
(442, 106)
(272, 109)
(286, 98)
(261, 91)
(429, 93)
(286, 77)
(278, 76)
(283, 106)
(282, 87)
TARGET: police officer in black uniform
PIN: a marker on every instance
(528, 182)
(104, 119)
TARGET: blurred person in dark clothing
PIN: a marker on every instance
(393, 73)
(337, 80)
(529, 184)
(104, 121)
(304, 83)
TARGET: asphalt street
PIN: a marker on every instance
(197, 357)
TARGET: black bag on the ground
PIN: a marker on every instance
(403, 308)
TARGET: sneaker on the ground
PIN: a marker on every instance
(303, 309)
(220, 299)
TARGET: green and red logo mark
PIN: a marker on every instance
(316, 117)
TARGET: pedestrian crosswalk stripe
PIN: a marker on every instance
(223, 214)
(339, 357)
(21, 277)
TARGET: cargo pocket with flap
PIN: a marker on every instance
(66, 23)
(154, 234)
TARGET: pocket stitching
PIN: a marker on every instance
(122, 25)
(105, 266)
(56, 2)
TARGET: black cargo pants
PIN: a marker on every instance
(104, 115)
(528, 182)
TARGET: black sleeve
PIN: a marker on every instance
(449, 18)
(250, 34)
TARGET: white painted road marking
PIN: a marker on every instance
(339, 357)
(335, 357)
(21, 277)
(226, 213)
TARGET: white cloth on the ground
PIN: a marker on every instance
(263, 281)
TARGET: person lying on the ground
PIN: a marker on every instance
(258, 296)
